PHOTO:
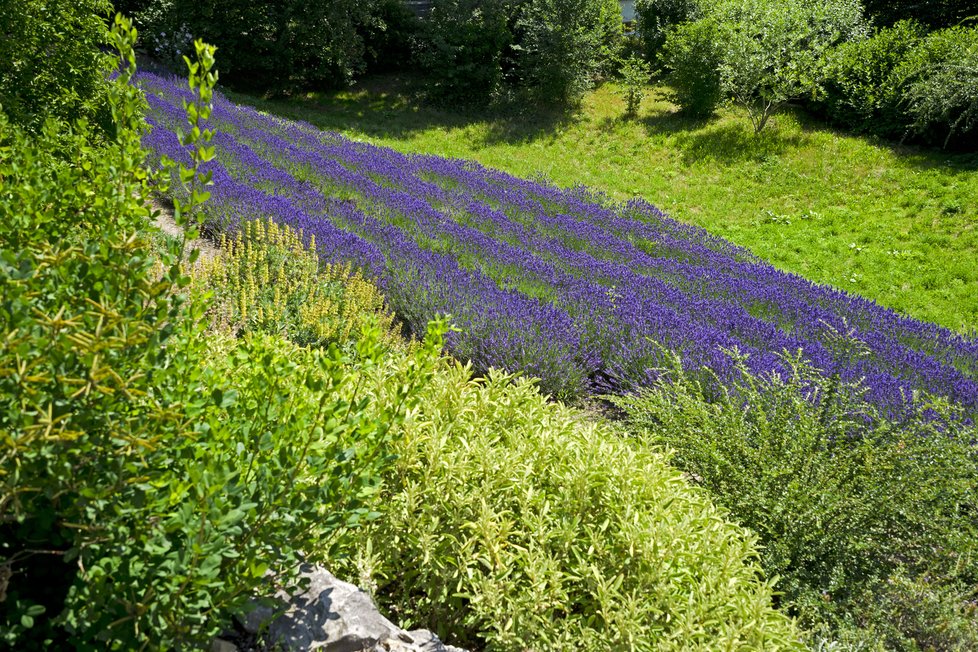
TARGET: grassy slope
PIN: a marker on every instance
(894, 224)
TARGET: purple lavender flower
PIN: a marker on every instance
(562, 284)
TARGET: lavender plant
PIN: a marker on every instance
(564, 285)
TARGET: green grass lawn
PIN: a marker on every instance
(895, 224)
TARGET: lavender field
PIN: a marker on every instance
(588, 295)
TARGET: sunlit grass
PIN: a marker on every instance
(895, 224)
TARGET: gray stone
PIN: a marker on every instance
(220, 645)
(334, 616)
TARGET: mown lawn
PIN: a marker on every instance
(896, 224)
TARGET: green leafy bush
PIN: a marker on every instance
(167, 467)
(859, 90)
(546, 51)
(693, 54)
(933, 13)
(389, 37)
(656, 18)
(865, 521)
(939, 79)
(561, 46)
(465, 49)
(50, 63)
(766, 52)
(278, 47)
(515, 524)
(635, 74)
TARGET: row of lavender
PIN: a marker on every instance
(562, 284)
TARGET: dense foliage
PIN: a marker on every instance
(545, 51)
(656, 18)
(905, 83)
(562, 46)
(934, 13)
(940, 78)
(865, 520)
(693, 53)
(167, 469)
(765, 52)
(269, 46)
(390, 37)
(514, 524)
(49, 63)
(859, 89)
(466, 49)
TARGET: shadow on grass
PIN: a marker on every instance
(672, 122)
(396, 106)
(730, 142)
(960, 157)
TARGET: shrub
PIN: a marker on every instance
(561, 46)
(656, 18)
(773, 49)
(515, 524)
(50, 62)
(849, 507)
(635, 75)
(693, 53)
(266, 279)
(465, 48)
(934, 13)
(858, 88)
(547, 51)
(389, 37)
(939, 80)
(169, 470)
(280, 47)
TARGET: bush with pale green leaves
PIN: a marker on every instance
(513, 523)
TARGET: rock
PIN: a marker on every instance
(220, 645)
(334, 616)
(427, 642)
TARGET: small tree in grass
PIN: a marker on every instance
(773, 49)
(635, 74)
(767, 52)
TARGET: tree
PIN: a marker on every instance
(275, 46)
(934, 13)
(50, 64)
(562, 46)
(769, 52)
(548, 51)
(656, 18)
(774, 48)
